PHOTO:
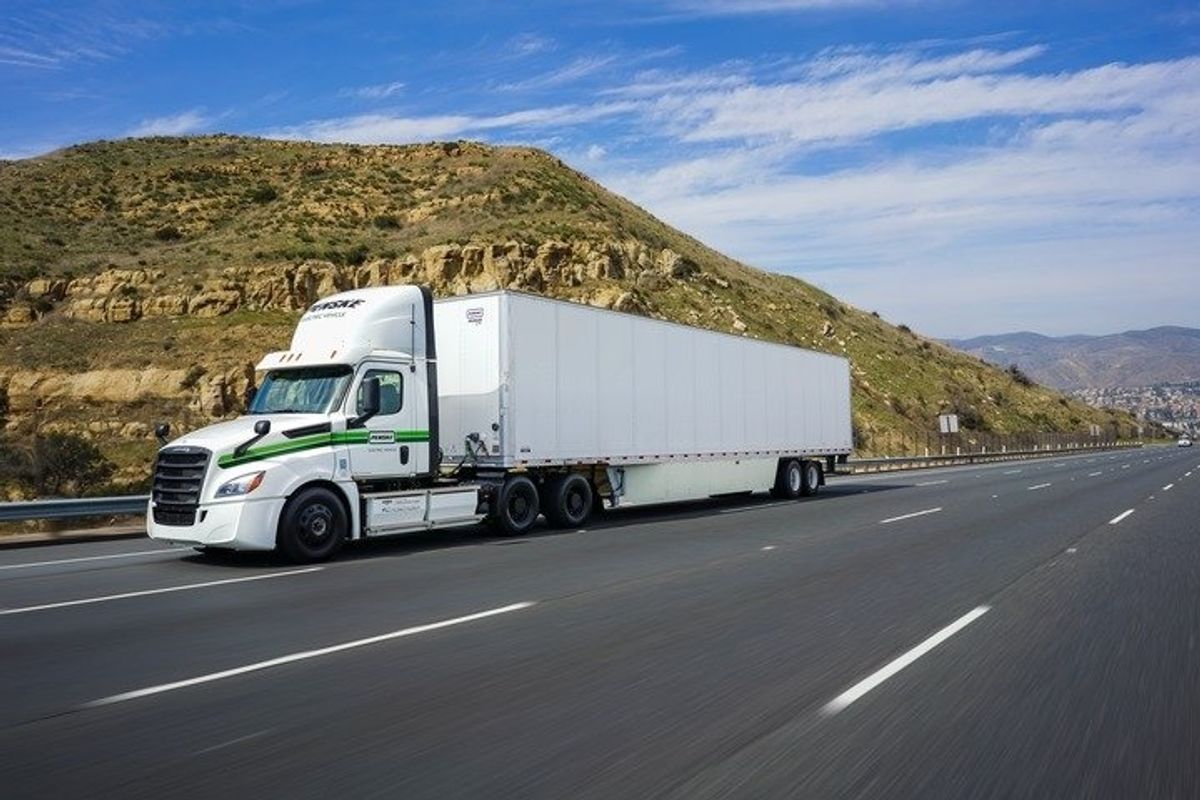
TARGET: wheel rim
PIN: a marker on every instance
(518, 507)
(316, 525)
(794, 478)
(813, 477)
(575, 502)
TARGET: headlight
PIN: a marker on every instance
(243, 485)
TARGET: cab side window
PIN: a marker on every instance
(391, 391)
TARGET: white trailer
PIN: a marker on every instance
(390, 413)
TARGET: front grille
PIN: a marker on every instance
(178, 479)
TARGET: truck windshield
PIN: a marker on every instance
(301, 391)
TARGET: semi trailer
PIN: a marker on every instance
(391, 413)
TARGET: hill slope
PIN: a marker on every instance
(140, 279)
(1166, 354)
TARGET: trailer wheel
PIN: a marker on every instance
(789, 481)
(812, 478)
(313, 526)
(569, 501)
(517, 508)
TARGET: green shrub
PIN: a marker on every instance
(58, 465)
(263, 193)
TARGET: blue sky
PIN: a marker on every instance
(961, 167)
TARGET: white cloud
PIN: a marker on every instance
(568, 73)
(384, 128)
(527, 44)
(377, 91)
(52, 39)
(1094, 182)
(729, 7)
(863, 104)
(172, 125)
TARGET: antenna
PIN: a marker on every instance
(412, 329)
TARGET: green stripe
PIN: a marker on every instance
(360, 436)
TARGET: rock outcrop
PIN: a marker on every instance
(621, 268)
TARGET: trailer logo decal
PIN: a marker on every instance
(475, 315)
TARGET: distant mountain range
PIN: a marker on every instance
(1167, 354)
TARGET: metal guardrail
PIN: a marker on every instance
(860, 465)
(74, 507)
(136, 504)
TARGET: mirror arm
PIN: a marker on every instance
(261, 429)
(360, 421)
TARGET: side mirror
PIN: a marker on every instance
(162, 432)
(372, 397)
(261, 429)
(372, 400)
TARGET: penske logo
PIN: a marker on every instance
(336, 305)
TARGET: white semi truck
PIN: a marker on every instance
(391, 413)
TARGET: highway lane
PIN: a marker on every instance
(678, 650)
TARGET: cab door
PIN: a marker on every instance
(380, 447)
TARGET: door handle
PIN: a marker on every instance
(403, 454)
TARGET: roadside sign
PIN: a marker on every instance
(948, 423)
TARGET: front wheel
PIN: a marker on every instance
(313, 526)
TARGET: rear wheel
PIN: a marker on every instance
(569, 501)
(812, 478)
(313, 526)
(789, 480)
(517, 507)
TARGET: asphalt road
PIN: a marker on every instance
(1024, 629)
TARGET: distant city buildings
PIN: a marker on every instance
(1176, 405)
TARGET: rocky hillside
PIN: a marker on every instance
(1167, 354)
(141, 279)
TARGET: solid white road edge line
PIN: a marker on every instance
(91, 558)
(124, 595)
(1038, 486)
(1117, 519)
(302, 656)
(873, 680)
(910, 516)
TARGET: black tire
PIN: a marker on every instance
(313, 526)
(789, 481)
(812, 478)
(569, 501)
(517, 507)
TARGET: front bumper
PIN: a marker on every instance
(239, 525)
